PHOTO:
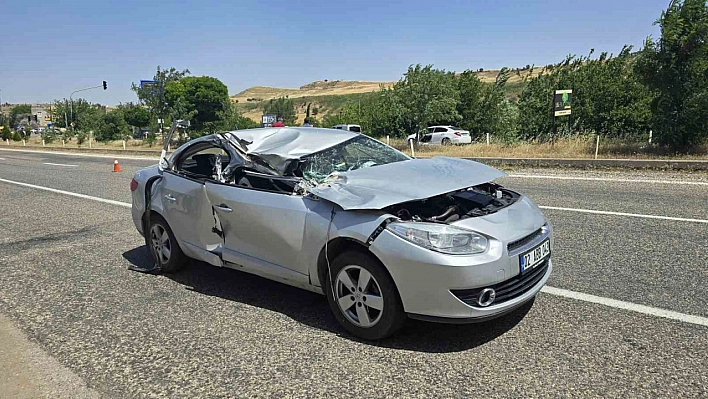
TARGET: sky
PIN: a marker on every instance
(49, 49)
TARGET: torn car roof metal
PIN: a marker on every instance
(279, 147)
(384, 185)
(375, 187)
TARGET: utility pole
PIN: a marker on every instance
(71, 101)
(2, 116)
(66, 121)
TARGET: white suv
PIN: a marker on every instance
(445, 135)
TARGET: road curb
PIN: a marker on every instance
(98, 151)
(92, 152)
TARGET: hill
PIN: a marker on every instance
(317, 88)
(330, 95)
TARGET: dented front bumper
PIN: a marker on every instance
(425, 278)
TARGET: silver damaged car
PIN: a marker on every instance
(382, 235)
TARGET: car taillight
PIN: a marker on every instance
(458, 134)
(133, 185)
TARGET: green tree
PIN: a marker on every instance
(204, 100)
(676, 69)
(136, 115)
(384, 115)
(113, 127)
(18, 113)
(282, 107)
(59, 109)
(493, 103)
(608, 98)
(428, 96)
(153, 96)
(6, 133)
(470, 104)
(87, 116)
(346, 115)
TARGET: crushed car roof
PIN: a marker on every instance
(279, 146)
(374, 187)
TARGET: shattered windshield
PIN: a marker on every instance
(357, 153)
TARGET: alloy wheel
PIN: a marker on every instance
(359, 296)
(161, 245)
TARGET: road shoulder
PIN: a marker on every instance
(26, 371)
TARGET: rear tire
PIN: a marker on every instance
(446, 141)
(162, 244)
(367, 304)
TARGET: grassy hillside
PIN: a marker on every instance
(330, 96)
(314, 89)
(324, 104)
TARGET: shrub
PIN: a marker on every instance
(48, 136)
(151, 139)
(80, 137)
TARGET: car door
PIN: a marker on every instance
(262, 223)
(434, 135)
(186, 206)
(428, 135)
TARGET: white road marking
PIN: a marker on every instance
(78, 154)
(2, 159)
(648, 181)
(54, 190)
(57, 164)
(634, 215)
(617, 304)
(614, 303)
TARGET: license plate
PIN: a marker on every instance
(534, 257)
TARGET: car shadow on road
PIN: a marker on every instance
(312, 309)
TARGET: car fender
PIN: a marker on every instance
(328, 222)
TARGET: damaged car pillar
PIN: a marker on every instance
(382, 235)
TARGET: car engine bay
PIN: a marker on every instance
(480, 200)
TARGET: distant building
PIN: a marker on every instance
(41, 113)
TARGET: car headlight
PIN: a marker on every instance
(440, 237)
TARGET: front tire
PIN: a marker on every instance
(367, 303)
(163, 246)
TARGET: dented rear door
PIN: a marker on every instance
(188, 212)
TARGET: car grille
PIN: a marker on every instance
(506, 290)
(514, 245)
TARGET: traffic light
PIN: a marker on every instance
(29, 118)
(35, 118)
(105, 85)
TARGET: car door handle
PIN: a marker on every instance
(223, 207)
(170, 198)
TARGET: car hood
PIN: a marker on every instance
(380, 186)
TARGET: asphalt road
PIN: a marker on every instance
(210, 332)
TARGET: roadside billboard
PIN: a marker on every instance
(562, 101)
